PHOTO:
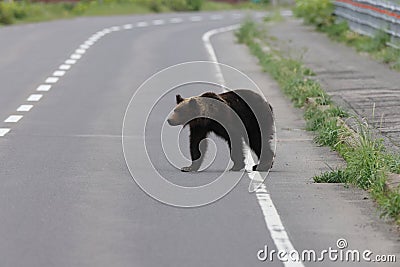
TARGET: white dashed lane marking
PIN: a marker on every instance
(196, 18)
(82, 50)
(157, 22)
(115, 28)
(59, 73)
(176, 20)
(64, 67)
(13, 118)
(51, 80)
(127, 26)
(24, 108)
(89, 43)
(76, 56)
(70, 61)
(84, 46)
(4, 131)
(142, 24)
(34, 97)
(43, 88)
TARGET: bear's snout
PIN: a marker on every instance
(171, 122)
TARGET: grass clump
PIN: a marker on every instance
(367, 160)
(390, 204)
(337, 176)
(316, 12)
(289, 73)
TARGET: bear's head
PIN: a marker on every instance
(186, 110)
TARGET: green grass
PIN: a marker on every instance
(376, 46)
(316, 12)
(367, 160)
(289, 73)
(217, 6)
(17, 12)
(24, 11)
(337, 176)
(118, 9)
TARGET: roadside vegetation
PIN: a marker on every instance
(26, 11)
(368, 162)
(320, 14)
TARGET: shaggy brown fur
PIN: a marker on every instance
(235, 116)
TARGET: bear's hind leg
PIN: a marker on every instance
(266, 159)
(237, 154)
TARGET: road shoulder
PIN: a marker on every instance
(314, 215)
(355, 81)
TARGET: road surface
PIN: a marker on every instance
(67, 197)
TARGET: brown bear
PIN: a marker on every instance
(236, 116)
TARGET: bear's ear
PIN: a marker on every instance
(179, 99)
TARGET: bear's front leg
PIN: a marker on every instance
(197, 149)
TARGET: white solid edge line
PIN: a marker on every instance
(25, 108)
(34, 97)
(271, 216)
(210, 50)
(4, 131)
(43, 88)
(13, 118)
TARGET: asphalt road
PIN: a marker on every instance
(67, 197)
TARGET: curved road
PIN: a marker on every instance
(67, 197)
